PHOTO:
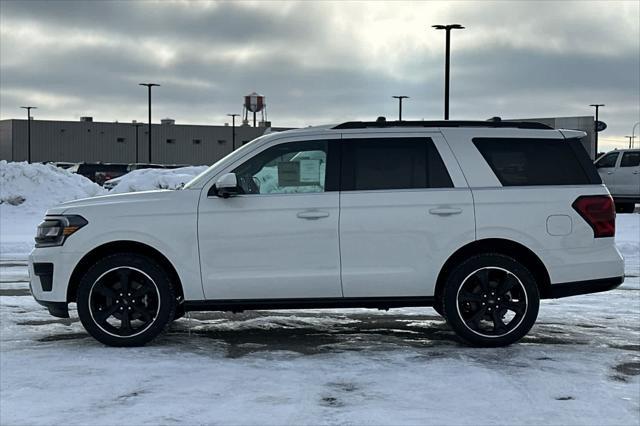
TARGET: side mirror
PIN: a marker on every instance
(226, 186)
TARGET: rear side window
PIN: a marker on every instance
(392, 163)
(630, 159)
(526, 161)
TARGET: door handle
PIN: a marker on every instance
(445, 211)
(636, 173)
(312, 214)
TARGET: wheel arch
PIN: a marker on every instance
(502, 246)
(121, 246)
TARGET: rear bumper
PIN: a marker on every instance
(584, 287)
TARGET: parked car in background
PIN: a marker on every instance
(620, 172)
(480, 220)
(62, 164)
(99, 172)
(112, 183)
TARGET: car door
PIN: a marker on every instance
(606, 166)
(278, 238)
(628, 174)
(402, 214)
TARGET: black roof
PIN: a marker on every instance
(447, 123)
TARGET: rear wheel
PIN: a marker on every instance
(126, 299)
(491, 300)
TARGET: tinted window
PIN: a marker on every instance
(608, 160)
(285, 168)
(518, 162)
(630, 159)
(392, 163)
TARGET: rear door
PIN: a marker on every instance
(628, 174)
(402, 213)
(606, 166)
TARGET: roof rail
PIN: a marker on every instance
(449, 123)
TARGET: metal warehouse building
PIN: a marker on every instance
(89, 141)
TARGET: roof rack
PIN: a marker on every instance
(381, 123)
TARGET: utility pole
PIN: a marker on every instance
(29, 108)
(233, 131)
(595, 127)
(447, 61)
(400, 98)
(136, 125)
(149, 85)
(630, 141)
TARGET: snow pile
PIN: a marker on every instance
(36, 187)
(148, 179)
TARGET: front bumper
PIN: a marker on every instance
(584, 287)
(50, 271)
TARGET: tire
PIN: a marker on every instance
(126, 299)
(491, 300)
(625, 207)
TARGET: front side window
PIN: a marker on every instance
(292, 167)
(608, 160)
(630, 159)
(392, 163)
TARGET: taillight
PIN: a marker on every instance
(599, 212)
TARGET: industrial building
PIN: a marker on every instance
(90, 141)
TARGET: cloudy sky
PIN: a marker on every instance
(320, 62)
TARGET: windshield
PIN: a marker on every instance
(238, 152)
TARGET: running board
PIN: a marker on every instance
(239, 305)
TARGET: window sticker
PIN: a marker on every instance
(289, 173)
(310, 171)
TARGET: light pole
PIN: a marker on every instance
(630, 141)
(149, 85)
(633, 134)
(595, 126)
(448, 29)
(29, 108)
(136, 125)
(233, 131)
(400, 98)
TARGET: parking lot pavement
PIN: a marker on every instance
(579, 365)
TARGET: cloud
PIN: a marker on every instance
(319, 62)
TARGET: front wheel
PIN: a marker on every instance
(491, 300)
(125, 299)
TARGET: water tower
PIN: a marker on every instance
(254, 103)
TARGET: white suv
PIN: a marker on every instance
(620, 172)
(478, 219)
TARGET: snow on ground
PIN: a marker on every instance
(580, 364)
(26, 192)
(147, 179)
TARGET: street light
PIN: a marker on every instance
(630, 141)
(149, 85)
(400, 98)
(448, 29)
(233, 131)
(595, 126)
(633, 134)
(136, 125)
(29, 108)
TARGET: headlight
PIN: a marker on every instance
(54, 230)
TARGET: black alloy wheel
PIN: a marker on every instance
(491, 300)
(126, 299)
